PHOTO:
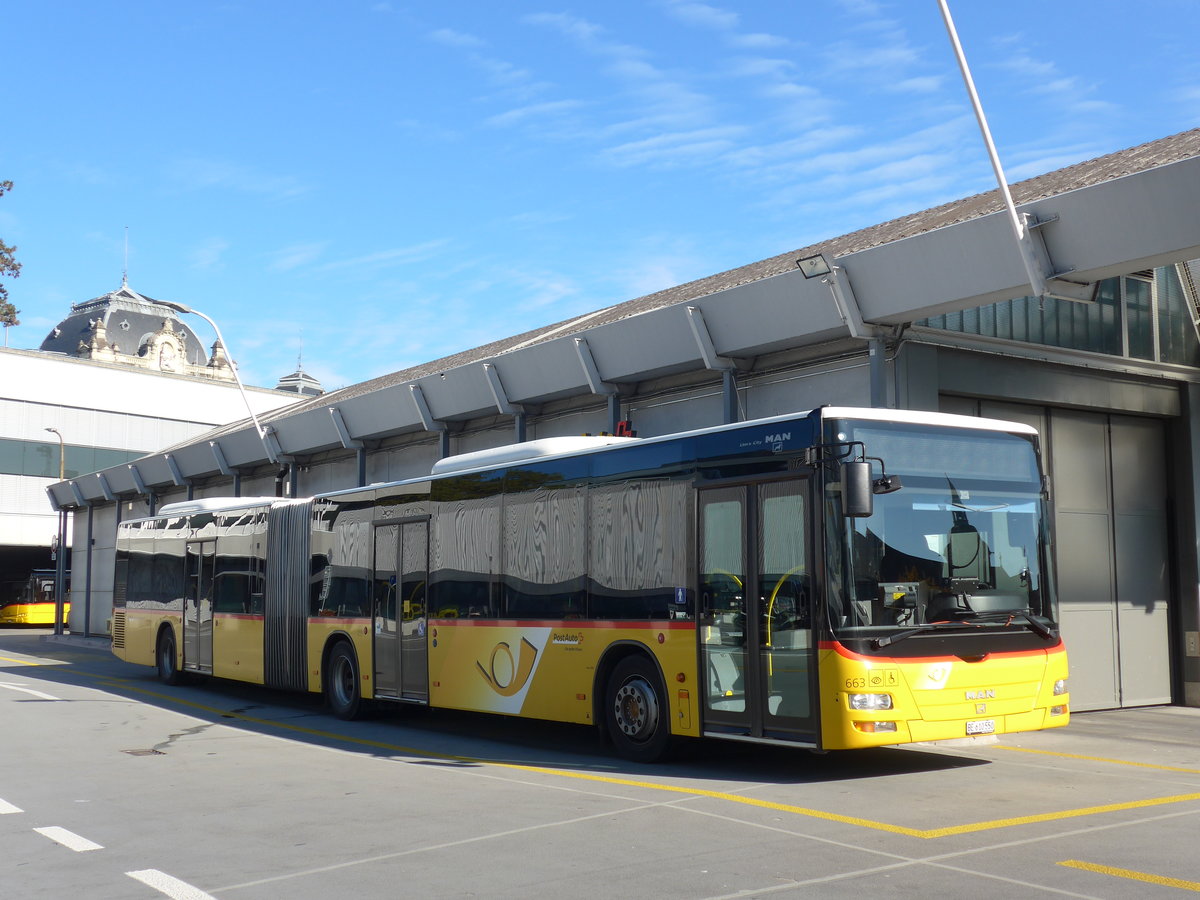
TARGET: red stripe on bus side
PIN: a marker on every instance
(667, 625)
(148, 612)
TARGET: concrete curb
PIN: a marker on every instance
(92, 642)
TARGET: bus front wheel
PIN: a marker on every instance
(636, 711)
(341, 683)
(166, 659)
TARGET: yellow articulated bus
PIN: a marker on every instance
(30, 602)
(835, 579)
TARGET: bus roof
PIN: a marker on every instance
(920, 417)
(526, 452)
(212, 504)
(556, 448)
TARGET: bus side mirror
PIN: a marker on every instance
(858, 500)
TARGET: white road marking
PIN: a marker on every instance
(169, 885)
(69, 839)
(7, 808)
(25, 690)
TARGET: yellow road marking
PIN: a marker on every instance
(1102, 759)
(1062, 814)
(923, 833)
(19, 662)
(1132, 875)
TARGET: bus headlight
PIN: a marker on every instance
(870, 701)
(1060, 687)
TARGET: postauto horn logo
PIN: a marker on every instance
(505, 675)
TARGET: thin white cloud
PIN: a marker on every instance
(806, 145)
(704, 15)
(675, 148)
(1026, 66)
(90, 174)
(668, 262)
(1038, 160)
(501, 71)
(664, 101)
(758, 40)
(581, 30)
(895, 55)
(393, 257)
(859, 8)
(297, 255)
(531, 111)
(506, 76)
(1069, 95)
(762, 66)
(207, 255)
(451, 38)
(537, 219)
(543, 290)
(925, 84)
(843, 174)
(426, 130)
(1189, 98)
(202, 174)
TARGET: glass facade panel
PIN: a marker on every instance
(40, 458)
(1139, 315)
(12, 459)
(1176, 333)
(1157, 320)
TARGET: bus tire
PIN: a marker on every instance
(166, 659)
(636, 711)
(342, 692)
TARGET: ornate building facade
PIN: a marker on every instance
(128, 328)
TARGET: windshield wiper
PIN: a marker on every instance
(1025, 618)
(1029, 621)
(881, 642)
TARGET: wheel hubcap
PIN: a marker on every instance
(636, 709)
(343, 682)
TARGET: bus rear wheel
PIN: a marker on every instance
(341, 683)
(636, 711)
(166, 659)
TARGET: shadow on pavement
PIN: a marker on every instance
(444, 737)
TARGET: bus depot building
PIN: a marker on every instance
(930, 312)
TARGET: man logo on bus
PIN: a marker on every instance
(505, 675)
(778, 440)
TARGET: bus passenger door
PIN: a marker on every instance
(198, 606)
(384, 591)
(757, 657)
(414, 573)
(401, 570)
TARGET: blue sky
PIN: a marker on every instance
(385, 183)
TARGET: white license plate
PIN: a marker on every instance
(982, 726)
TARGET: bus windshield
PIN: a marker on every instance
(961, 544)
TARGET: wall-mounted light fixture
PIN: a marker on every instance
(813, 266)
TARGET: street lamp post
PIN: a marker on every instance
(62, 453)
(262, 434)
(60, 559)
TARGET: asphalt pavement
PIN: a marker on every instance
(112, 785)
